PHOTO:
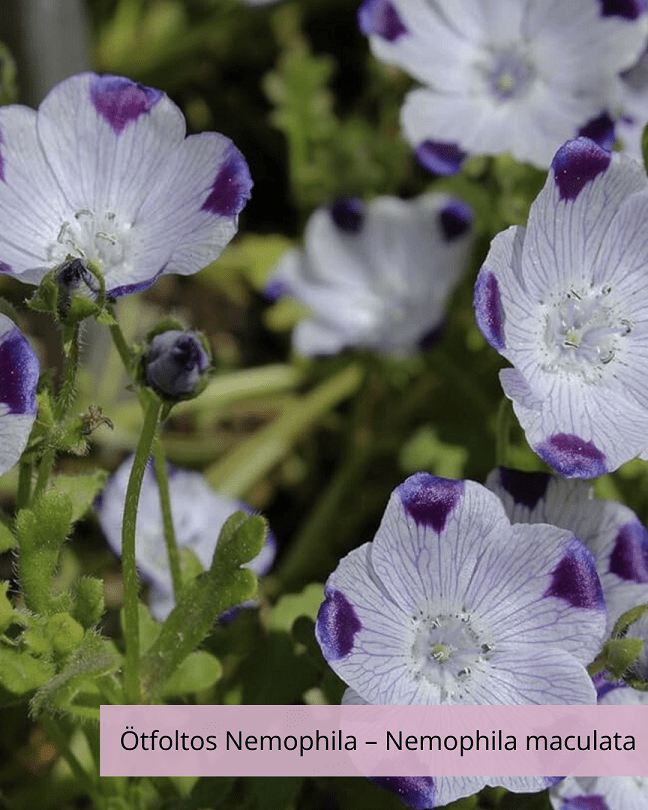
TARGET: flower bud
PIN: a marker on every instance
(175, 363)
(73, 278)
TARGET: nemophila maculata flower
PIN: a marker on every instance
(452, 604)
(175, 363)
(103, 173)
(515, 76)
(375, 275)
(19, 371)
(611, 531)
(198, 513)
(565, 301)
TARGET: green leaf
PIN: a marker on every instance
(7, 539)
(278, 793)
(208, 792)
(223, 586)
(293, 605)
(20, 673)
(626, 619)
(81, 489)
(88, 601)
(7, 614)
(198, 671)
(293, 673)
(41, 532)
(425, 451)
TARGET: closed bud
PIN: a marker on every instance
(175, 363)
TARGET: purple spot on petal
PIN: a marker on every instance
(572, 456)
(629, 557)
(337, 624)
(600, 130)
(550, 781)
(418, 792)
(348, 214)
(526, 488)
(591, 802)
(576, 163)
(274, 290)
(231, 188)
(430, 500)
(138, 286)
(489, 312)
(455, 219)
(380, 17)
(630, 9)
(5, 268)
(120, 100)
(604, 686)
(575, 580)
(440, 158)
(19, 371)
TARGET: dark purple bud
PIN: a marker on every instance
(74, 278)
(175, 364)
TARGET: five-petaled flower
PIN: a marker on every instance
(377, 275)
(565, 301)
(19, 370)
(103, 173)
(198, 516)
(521, 76)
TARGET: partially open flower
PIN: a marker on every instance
(175, 364)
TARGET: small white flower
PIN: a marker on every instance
(198, 516)
(103, 173)
(565, 300)
(512, 75)
(376, 275)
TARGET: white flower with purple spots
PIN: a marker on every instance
(452, 604)
(611, 531)
(103, 173)
(377, 275)
(565, 300)
(19, 370)
(198, 516)
(521, 76)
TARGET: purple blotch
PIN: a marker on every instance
(629, 557)
(576, 163)
(232, 186)
(440, 158)
(418, 792)
(550, 781)
(604, 686)
(139, 286)
(600, 130)
(591, 802)
(455, 219)
(575, 580)
(430, 500)
(489, 312)
(5, 268)
(19, 370)
(630, 9)
(526, 488)
(274, 290)
(380, 17)
(572, 456)
(120, 100)
(348, 214)
(337, 624)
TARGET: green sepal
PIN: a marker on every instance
(64, 633)
(200, 670)
(7, 538)
(620, 654)
(45, 299)
(20, 672)
(41, 532)
(223, 586)
(626, 619)
(88, 601)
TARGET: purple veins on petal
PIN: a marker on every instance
(630, 9)
(348, 214)
(440, 158)
(585, 803)
(337, 625)
(629, 557)
(430, 500)
(526, 488)
(575, 580)
(489, 312)
(418, 792)
(231, 188)
(455, 219)
(380, 17)
(5, 268)
(604, 686)
(18, 373)
(576, 163)
(572, 456)
(600, 130)
(119, 100)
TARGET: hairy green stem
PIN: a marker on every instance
(159, 463)
(24, 484)
(44, 472)
(131, 617)
(67, 389)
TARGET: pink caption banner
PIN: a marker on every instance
(374, 740)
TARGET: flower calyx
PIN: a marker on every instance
(175, 362)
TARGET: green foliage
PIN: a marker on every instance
(88, 601)
(620, 654)
(80, 489)
(21, 673)
(200, 670)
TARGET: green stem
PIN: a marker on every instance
(159, 463)
(122, 346)
(24, 484)
(67, 390)
(131, 617)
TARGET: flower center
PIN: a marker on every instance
(583, 332)
(507, 74)
(446, 650)
(99, 238)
